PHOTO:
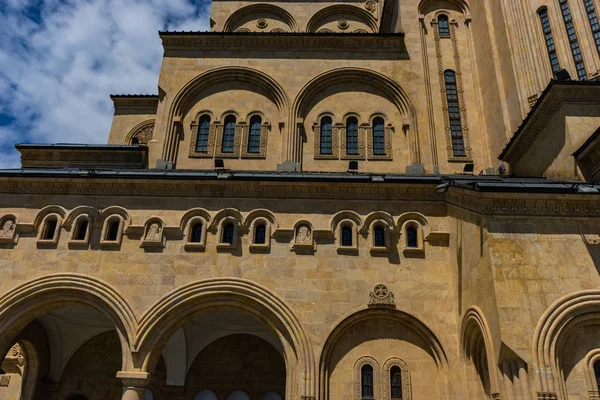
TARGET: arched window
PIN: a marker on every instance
(112, 230)
(347, 236)
(379, 239)
(81, 229)
(444, 26)
(456, 131)
(238, 395)
(378, 136)
(412, 237)
(196, 233)
(203, 132)
(352, 136)
(205, 395)
(597, 373)
(396, 382)
(254, 137)
(228, 231)
(593, 18)
(366, 373)
(326, 147)
(574, 43)
(228, 135)
(550, 46)
(260, 234)
(50, 228)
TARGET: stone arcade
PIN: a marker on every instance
(299, 214)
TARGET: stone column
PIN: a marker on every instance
(134, 384)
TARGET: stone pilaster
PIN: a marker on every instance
(134, 384)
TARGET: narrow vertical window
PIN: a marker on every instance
(379, 239)
(196, 234)
(456, 131)
(411, 237)
(597, 373)
(444, 26)
(347, 236)
(81, 229)
(112, 231)
(378, 136)
(396, 383)
(593, 18)
(574, 43)
(228, 233)
(367, 381)
(352, 136)
(326, 135)
(254, 137)
(550, 46)
(260, 234)
(203, 132)
(228, 135)
(50, 228)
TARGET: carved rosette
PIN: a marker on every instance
(144, 134)
(381, 297)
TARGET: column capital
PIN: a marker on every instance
(134, 379)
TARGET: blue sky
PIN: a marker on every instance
(61, 59)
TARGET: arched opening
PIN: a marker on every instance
(379, 236)
(412, 236)
(366, 382)
(254, 137)
(49, 229)
(260, 234)
(396, 382)
(81, 229)
(347, 236)
(228, 233)
(196, 233)
(112, 229)
(238, 395)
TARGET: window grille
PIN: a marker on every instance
(550, 45)
(593, 18)
(456, 130)
(203, 132)
(326, 147)
(254, 137)
(228, 135)
(574, 43)
(378, 136)
(444, 26)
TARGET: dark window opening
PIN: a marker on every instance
(597, 373)
(352, 136)
(50, 228)
(367, 381)
(346, 236)
(379, 240)
(444, 26)
(112, 232)
(260, 234)
(81, 230)
(203, 133)
(228, 135)
(378, 136)
(411, 237)
(326, 146)
(456, 130)
(135, 140)
(254, 137)
(396, 383)
(196, 236)
(228, 233)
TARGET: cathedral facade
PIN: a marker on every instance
(366, 200)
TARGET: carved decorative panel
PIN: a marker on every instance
(358, 377)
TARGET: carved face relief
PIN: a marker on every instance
(7, 229)
(154, 232)
(304, 235)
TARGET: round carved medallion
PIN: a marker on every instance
(371, 6)
(380, 291)
(343, 24)
(262, 23)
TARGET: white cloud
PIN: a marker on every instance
(61, 59)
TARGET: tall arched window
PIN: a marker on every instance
(367, 381)
(254, 137)
(81, 229)
(196, 234)
(326, 135)
(456, 131)
(260, 234)
(228, 231)
(396, 382)
(443, 26)
(352, 136)
(379, 239)
(574, 43)
(50, 228)
(347, 236)
(593, 18)
(378, 136)
(203, 132)
(112, 231)
(411, 237)
(228, 135)
(550, 46)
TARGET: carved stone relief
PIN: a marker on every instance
(144, 135)
(4, 380)
(7, 228)
(154, 233)
(304, 235)
(381, 296)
